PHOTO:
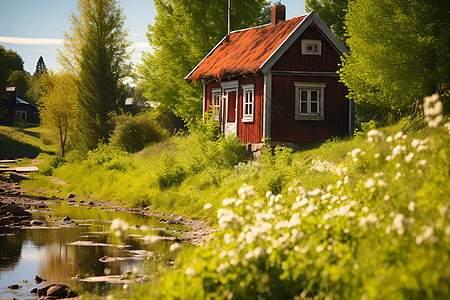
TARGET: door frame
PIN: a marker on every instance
(227, 87)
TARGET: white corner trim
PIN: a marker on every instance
(267, 106)
(204, 101)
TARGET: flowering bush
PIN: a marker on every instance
(380, 230)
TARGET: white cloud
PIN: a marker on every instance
(50, 51)
(30, 41)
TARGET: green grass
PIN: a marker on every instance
(29, 141)
(369, 223)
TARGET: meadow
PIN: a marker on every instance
(365, 216)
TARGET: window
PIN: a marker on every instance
(248, 100)
(215, 103)
(311, 47)
(309, 100)
(21, 115)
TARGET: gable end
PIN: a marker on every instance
(295, 35)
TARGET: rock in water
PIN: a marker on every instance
(56, 291)
(67, 219)
(38, 279)
(14, 287)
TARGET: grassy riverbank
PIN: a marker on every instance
(183, 173)
(361, 217)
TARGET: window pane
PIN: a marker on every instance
(313, 107)
(314, 96)
(304, 107)
(303, 95)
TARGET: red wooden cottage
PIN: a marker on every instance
(277, 81)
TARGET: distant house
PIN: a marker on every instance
(277, 81)
(13, 110)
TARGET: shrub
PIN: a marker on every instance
(109, 157)
(170, 173)
(134, 133)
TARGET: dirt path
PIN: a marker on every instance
(12, 193)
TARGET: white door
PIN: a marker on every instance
(230, 112)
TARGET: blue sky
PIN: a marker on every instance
(35, 28)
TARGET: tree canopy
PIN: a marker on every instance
(96, 51)
(10, 61)
(40, 66)
(58, 105)
(183, 33)
(332, 12)
(399, 52)
(19, 79)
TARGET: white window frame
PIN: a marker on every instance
(248, 102)
(215, 107)
(309, 87)
(311, 47)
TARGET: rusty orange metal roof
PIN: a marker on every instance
(244, 51)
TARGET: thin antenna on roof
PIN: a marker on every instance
(229, 12)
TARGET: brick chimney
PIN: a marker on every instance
(278, 14)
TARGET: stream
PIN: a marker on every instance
(71, 243)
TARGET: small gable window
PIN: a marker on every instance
(248, 102)
(215, 103)
(311, 47)
(309, 100)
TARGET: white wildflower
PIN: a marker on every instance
(398, 135)
(228, 238)
(355, 152)
(415, 143)
(119, 228)
(222, 267)
(151, 239)
(319, 248)
(389, 139)
(381, 182)
(207, 206)
(246, 192)
(409, 157)
(369, 183)
(397, 223)
(175, 247)
(443, 210)
(432, 110)
(315, 192)
(374, 136)
(411, 206)
(422, 162)
(228, 201)
(190, 271)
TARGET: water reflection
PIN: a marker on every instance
(48, 252)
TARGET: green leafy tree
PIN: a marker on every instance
(34, 92)
(9, 62)
(399, 52)
(332, 12)
(183, 33)
(96, 51)
(40, 66)
(19, 79)
(58, 105)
